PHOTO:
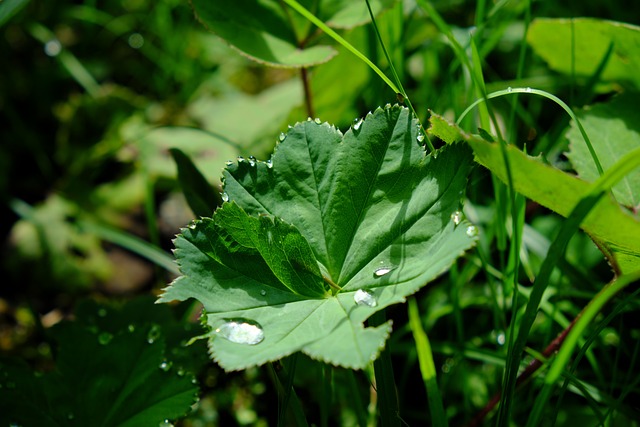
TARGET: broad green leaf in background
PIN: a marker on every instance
(259, 30)
(552, 39)
(614, 130)
(111, 370)
(314, 241)
(608, 223)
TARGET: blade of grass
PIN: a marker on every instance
(427, 367)
(388, 409)
(312, 18)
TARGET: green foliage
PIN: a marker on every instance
(615, 129)
(114, 366)
(579, 46)
(335, 191)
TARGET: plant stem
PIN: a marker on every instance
(385, 383)
(308, 95)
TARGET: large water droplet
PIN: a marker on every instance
(362, 297)
(225, 197)
(241, 332)
(472, 231)
(252, 161)
(528, 90)
(240, 159)
(165, 365)
(357, 123)
(228, 162)
(381, 271)
(456, 217)
(52, 47)
(509, 89)
(269, 163)
(420, 136)
(282, 136)
(317, 120)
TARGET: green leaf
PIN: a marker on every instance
(608, 223)
(116, 375)
(200, 195)
(8, 8)
(259, 30)
(375, 212)
(614, 129)
(552, 39)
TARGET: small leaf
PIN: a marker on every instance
(260, 30)
(201, 197)
(579, 45)
(614, 130)
(374, 211)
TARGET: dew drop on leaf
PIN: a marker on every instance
(240, 159)
(456, 217)
(420, 136)
(317, 120)
(105, 338)
(225, 197)
(263, 292)
(472, 231)
(364, 298)
(269, 163)
(381, 271)
(165, 365)
(509, 89)
(252, 161)
(282, 136)
(357, 123)
(241, 332)
(528, 90)
(153, 335)
(228, 162)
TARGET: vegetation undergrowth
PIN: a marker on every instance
(465, 251)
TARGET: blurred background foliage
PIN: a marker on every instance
(93, 94)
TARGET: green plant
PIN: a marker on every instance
(301, 260)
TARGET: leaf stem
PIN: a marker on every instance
(308, 95)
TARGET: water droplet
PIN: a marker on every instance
(420, 136)
(387, 106)
(263, 292)
(309, 119)
(181, 372)
(102, 312)
(131, 328)
(105, 338)
(52, 47)
(364, 298)
(153, 335)
(357, 123)
(228, 162)
(269, 163)
(240, 159)
(381, 271)
(472, 231)
(136, 41)
(501, 338)
(447, 365)
(224, 196)
(528, 90)
(252, 161)
(241, 332)
(165, 365)
(192, 226)
(456, 217)
(509, 89)
(317, 120)
(282, 136)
